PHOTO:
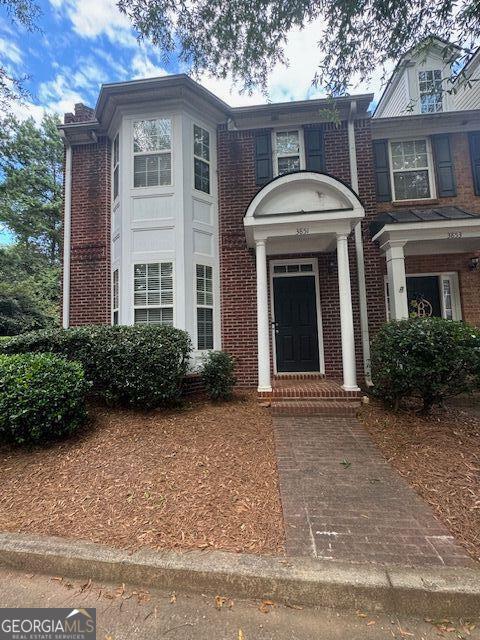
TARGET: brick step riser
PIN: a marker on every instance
(313, 398)
(299, 376)
(333, 412)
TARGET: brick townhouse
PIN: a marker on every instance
(274, 232)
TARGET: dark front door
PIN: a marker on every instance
(424, 296)
(296, 323)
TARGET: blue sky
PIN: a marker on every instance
(83, 43)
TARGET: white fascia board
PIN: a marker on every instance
(432, 230)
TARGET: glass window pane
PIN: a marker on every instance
(411, 185)
(202, 175)
(287, 165)
(204, 328)
(201, 143)
(287, 142)
(115, 183)
(152, 135)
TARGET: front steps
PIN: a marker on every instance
(312, 395)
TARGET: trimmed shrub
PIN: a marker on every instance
(426, 358)
(141, 366)
(42, 397)
(218, 375)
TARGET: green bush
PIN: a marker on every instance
(42, 397)
(141, 366)
(218, 375)
(426, 358)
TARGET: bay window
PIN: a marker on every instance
(152, 153)
(411, 170)
(153, 293)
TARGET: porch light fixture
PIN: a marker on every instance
(474, 264)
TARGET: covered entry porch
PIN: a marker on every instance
(297, 215)
(429, 252)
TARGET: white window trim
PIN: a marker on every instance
(442, 95)
(314, 273)
(451, 276)
(301, 144)
(155, 306)
(203, 306)
(430, 168)
(135, 154)
(209, 161)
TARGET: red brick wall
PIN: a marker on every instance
(90, 234)
(237, 263)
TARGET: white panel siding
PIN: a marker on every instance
(147, 240)
(202, 243)
(153, 208)
(399, 100)
(468, 97)
(202, 211)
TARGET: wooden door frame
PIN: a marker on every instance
(315, 274)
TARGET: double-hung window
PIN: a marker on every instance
(153, 293)
(411, 170)
(204, 276)
(287, 151)
(430, 86)
(115, 296)
(201, 158)
(152, 152)
(115, 164)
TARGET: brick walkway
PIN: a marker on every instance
(361, 510)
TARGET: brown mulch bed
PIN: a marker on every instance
(439, 456)
(201, 477)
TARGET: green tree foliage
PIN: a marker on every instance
(31, 160)
(31, 164)
(25, 14)
(246, 38)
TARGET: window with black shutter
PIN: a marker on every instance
(474, 139)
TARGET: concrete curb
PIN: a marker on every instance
(301, 581)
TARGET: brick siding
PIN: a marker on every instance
(90, 234)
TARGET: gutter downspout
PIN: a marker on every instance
(67, 226)
(362, 290)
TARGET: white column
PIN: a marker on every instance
(397, 282)
(263, 325)
(346, 315)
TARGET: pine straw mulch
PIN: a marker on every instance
(201, 477)
(439, 456)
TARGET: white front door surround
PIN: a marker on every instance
(421, 238)
(298, 213)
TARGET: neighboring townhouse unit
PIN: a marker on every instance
(270, 231)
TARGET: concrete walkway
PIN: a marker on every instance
(343, 501)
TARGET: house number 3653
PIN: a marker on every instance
(303, 231)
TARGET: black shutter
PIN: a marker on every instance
(382, 170)
(263, 157)
(314, 150)
(474, 138)
(444, 169)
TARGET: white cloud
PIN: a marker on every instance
(58, 95)
(93, 18)
(143, 67)
(10, 51)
